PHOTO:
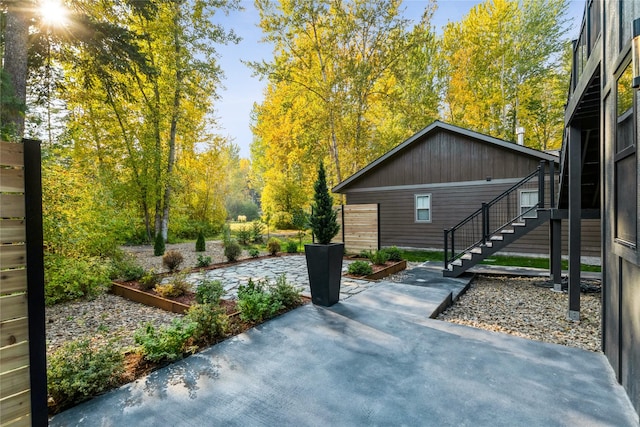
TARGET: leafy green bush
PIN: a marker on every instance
(243, 234)
(254, 253)
(125, 267)
(232, 250)
(149, 280)
(158, 245)
(257, 228)
(282, 220)
(256, 303)
(209, 292)
(167, 343)
(273, 246)
(285, 293)
(379, 257)
(67, 279)
(203, 261)
(211, 320)
(172, 260)
(292, 247)
(201, 245)
(360, 268)
(394, 254)
(77, 371)
(178, 286)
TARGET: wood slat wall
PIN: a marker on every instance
(15, 397)
(360, 227)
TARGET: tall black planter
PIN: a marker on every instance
(324, 264)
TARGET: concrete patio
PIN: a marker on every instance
(375, 358)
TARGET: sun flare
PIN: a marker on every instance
(53, 12)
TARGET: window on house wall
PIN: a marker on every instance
(626, 172)
(628, 9)
(528, 199)
(423, 207)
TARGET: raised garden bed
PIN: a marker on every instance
(382, 271)
(147, 298)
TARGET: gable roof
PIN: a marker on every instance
(434, 127)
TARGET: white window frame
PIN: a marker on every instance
(525, 207)
(416, 197)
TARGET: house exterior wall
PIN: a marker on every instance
(444, 157)
(450, 204)
(620, 198)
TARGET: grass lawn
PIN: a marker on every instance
(514, 261)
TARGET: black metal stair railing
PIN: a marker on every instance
(494, 216)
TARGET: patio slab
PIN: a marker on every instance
(373, 359)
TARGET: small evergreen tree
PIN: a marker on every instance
(158, 245)
(323, 219)
(201, 246)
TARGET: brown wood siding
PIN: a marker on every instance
(450, 205)
(447, 157)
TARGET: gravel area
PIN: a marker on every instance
(144, 254)
(522, 307)
(503, 304)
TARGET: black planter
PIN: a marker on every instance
(324, 264)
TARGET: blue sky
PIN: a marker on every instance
(233, 110)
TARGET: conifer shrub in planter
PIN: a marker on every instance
(324, 259)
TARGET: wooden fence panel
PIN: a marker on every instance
(359, 227)
(12, 206)
(21, 289)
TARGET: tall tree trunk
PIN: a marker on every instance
(15, 58)
(177, 95)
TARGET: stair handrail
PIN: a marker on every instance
(449, 234)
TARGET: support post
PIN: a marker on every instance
(552, 185)
(446, 249)
(35, 282)
(485, 222)
(575, 218)
(541, 170)
(556, 254)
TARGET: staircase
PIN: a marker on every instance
(498, 223)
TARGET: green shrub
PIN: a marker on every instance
(256, 303)
(149, 280)
(167, 343)
(172, 260)
(292, 247)
(209, 292)
(282, 220)
(203, 261)
(226, 234)
(257, 228)
(379, 257)
(394, 254)
(125, 267)
(211, 320)
(243, 235)
(77, 371)
(201, 245)
(360, 268)
(273, 246)
(286, 293)
(158, 245)
(232, 251)
(67, 279)
(254, 253)
(177, 287)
